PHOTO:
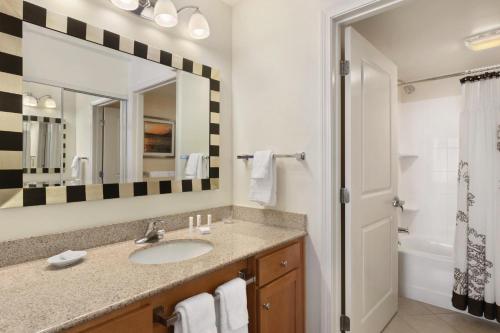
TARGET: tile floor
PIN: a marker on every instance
(417, 317)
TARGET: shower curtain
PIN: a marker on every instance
(477, 239)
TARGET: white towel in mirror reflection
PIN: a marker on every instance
(77, 169)
(196, 166)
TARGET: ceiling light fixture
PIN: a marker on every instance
(198, 26)
(49, 103)
(32, 101)
(483, 41)
(126, 4)
(166, 15)
(29, 100)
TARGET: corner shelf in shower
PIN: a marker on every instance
(410, 208)
(407, 155)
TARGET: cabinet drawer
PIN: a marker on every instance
(278, 263)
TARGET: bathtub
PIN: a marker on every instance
(426, 270)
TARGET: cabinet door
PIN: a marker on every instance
(279, 305)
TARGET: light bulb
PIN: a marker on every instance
(165, 13)
(198, 26)
(29, 100)
(126, 4)
(50, 103)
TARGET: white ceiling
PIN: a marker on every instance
(231, 2)
(425, 37)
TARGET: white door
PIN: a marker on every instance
(371, 177)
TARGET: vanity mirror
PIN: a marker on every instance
(87, 114)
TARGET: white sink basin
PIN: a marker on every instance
(171, 251)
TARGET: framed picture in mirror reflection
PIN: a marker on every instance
(159, 137)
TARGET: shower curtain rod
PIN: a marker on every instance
(447, 76)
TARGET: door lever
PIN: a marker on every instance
(396, 202)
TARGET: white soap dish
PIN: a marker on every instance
(66, 258)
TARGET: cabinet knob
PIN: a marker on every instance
(284, 263)
(267, 306)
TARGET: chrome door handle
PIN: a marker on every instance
(267, 306)
(396, 202)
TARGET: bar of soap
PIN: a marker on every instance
(204, 230)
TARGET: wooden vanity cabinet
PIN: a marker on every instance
(280, 290)
(275, 301)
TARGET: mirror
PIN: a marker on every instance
(94, 115)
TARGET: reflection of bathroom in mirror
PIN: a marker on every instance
(147, 121)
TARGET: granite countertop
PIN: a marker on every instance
(37, 298)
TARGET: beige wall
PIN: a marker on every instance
(160, 103)
(193, 110)
(277, 77)
(214, 51)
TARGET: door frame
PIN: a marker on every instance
(333, 19)
(102, 102)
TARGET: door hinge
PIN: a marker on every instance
(345, 196)
(345, 323)
(345, 67)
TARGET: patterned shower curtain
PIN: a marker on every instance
(477, 239)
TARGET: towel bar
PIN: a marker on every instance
(186, 157)
(161, 318)
(298, 156)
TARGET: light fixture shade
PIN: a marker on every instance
(50, 103)
(198, 26)
(165, 13)
(29, 100)
(126, 4)
(483, 41)
(148, 13)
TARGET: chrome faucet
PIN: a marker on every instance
(152, 235)
(402, 230)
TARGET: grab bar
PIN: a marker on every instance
(161, 318)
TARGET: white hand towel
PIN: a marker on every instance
(192, 165)
(232, 308)
(261, 164)
(200, 170)
(263, 190)
(197, 315)
(76, 167)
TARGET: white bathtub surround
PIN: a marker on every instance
(477, 240)
(428, 181)
(425, 270)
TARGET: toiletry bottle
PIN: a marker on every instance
(209, 220)
(198, 221)
(191, 224)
